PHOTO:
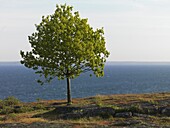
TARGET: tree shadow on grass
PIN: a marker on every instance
(73, 113)
(59, 103)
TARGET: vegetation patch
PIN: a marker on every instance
(99, 111)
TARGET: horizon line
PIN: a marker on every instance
(116, 61)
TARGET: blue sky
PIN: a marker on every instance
(135, 30)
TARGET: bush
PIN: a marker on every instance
(13, 105)
(1, 104)
(23, 109)
(7, 105)
(11, 101)
(39, 106)
(6, 110)
(136, 108)
(11, 116)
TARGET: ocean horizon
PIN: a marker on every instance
(120, 78)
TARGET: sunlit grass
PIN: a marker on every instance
(45, 111)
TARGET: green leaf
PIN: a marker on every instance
(65, 45)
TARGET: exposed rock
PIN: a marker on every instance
(140, 115)
(36, 125)
(17, 107)
(166, 111)
(124, 114)
(102, 112)
(152, 110)
(127, 123)
(76, 113)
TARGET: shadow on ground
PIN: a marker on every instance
(72, 113)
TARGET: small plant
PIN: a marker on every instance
(135, 108)
(153, 102)
(98, 101)
(115, 107)
(150, 101)
(39, 106)
(7, 105)
(11, 101)
(1, 104)
(24, 109)
(11, 116)
(38, 99)
(6, 110)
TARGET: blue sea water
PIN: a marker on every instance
(120, 78)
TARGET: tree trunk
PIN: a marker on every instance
(69, 101)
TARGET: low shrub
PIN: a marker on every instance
(23, 109)
(7, 105)
(136, 108)
(6, 110)
(11, 101)
(1, 104)
(11, 116)
(38, 99)
(39, 106)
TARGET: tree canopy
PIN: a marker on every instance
(64, 46)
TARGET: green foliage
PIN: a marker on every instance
(153, 102)
(6, 110)
(38, 99)
(10, 101)
(7, 105)
(13, 105)
(39, 107)
(98, 101)
(115, 107)
(11, 116)
(24, 109)
(64, 46)
(136, 108)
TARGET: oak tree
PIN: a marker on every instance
(64, 46)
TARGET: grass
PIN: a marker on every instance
(90, 111)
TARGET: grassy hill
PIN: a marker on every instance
(128, 110)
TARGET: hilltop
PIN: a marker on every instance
(128, 110)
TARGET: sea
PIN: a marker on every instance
(120, 78)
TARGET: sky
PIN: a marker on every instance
(135, 30)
